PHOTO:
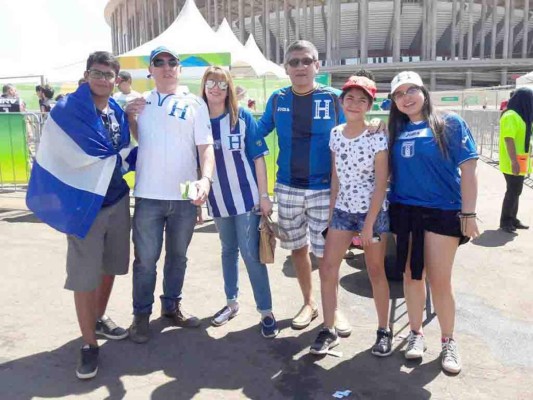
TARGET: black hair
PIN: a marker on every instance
(398, 120)
(47, 91)
(38, 88)
(104, 58)
(59, 97)
(366, 73)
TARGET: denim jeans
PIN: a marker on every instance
(177, 219)
(239, 233)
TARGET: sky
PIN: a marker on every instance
(40, 35)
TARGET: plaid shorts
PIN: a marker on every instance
(303, 215)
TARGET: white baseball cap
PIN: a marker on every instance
(405, 77)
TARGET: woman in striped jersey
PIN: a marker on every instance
(239, 190)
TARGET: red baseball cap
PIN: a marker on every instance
(361, 82)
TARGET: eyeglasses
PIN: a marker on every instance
(158, 62)
(399, 93)
(295, 62)
(97, 74)
(210, 84)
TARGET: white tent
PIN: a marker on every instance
(525, 81)
(188, 34)
(255, 52)
(245, 62)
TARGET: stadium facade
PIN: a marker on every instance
(451, 43)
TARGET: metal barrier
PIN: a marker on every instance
(19, 139)
(485, 127)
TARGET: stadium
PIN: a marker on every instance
(453, 44)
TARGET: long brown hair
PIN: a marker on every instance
(398, 120)
(232, 107)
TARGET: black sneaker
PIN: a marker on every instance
(383, 345)
(88, 362)
(107, 328)
(326, 340)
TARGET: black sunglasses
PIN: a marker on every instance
(295, 62)
(158, 62)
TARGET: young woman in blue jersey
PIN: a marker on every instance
(432, 205)
(239, 188)
(358, 190)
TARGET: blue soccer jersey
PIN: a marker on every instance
(421, 175)
(234, 190)
(303, 124)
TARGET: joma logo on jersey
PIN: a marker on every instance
(181, 112)
(322, 109)
(284, 109)
(408, 149)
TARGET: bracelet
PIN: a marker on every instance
(467, 215)
(265, 196)
(208, 178)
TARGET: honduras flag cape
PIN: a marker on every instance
(74, 163)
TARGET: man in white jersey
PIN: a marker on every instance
(172, 127)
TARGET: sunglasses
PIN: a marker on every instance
(97, 74)
(295, 62)
(210, 84)
(399, 93)
(158, 63)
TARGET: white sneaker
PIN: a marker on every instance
(415, 346)
(225, 314)
(450, 359)
(342, 325)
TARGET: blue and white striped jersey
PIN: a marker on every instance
(234, 190)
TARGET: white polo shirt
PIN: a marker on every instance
(170, 128)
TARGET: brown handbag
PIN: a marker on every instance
(267, 240)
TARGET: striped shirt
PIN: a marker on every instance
(303, 124)
(234, 190)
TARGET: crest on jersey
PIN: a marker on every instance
(408, 149)
(322, 109)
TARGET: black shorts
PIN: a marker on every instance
(442, 222)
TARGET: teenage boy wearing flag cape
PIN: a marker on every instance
(76, 187)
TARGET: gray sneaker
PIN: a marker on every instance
(450, 359)
(416, 346)
(139, 330)
(107, 328)
(225, 314)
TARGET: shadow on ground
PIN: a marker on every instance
(494, 238)
(193, 360)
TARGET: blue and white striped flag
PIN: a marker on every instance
(75, 162)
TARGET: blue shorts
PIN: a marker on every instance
(345, 221)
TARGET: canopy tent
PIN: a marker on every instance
(255, 52)
(191, 37)
(243, 61)
(525, 80)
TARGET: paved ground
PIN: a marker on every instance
(39, 334)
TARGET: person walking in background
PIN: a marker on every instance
(432, 206)
(125, 92)
(357, 206)
(239, 188)
(515, 154)
(174, 134)
(303, 115)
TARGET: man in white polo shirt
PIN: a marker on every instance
(172, 127)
